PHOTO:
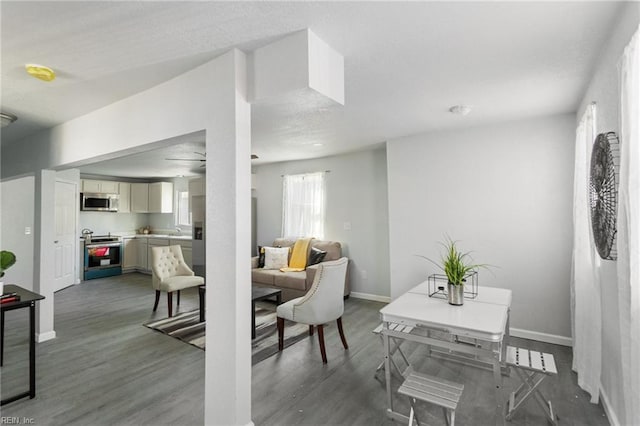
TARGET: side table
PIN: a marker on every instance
(28, 299)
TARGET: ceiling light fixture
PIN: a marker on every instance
(40, 71)
(460, 109)
(6, 118)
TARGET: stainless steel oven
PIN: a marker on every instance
(102, 257)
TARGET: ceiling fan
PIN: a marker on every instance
(203, 160)
(253, 157)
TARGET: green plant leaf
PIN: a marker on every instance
(7, 260)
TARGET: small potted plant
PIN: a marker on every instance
(7, 260)
(457, 266)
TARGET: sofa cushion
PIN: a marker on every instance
(293, 280)
(333, 249)
(264, 276)
(276, 257)
(316, 256)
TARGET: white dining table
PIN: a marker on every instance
(484, 319)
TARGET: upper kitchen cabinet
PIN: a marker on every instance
(161, 197)
(140, 198)
(154, 197)
(100, 186)
(125, 197)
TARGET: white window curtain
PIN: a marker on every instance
(303, 205)
(628, 238)
(585, 281)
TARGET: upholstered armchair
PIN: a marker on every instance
(323, 303)
(170, 273)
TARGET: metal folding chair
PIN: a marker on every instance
(532, 367)
(394, 347)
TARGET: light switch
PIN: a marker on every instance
(27, 230)
(347, 226)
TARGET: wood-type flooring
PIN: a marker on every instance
(105, 368)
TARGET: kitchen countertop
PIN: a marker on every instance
(168, 236)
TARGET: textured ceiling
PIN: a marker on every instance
(406, 63)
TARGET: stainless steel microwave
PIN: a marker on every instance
(99, 202)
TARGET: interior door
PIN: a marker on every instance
(65, 242)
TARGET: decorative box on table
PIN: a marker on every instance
(438, 285)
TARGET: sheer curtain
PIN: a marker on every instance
(585, 281)
(303, 205)
(629, 227)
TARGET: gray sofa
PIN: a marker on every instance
(296, 284)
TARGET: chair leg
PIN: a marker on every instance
(310, 330)
(155, 306)
(280, 333)
(323, 352)
(170, 303)
(178, 297)
(344, 341)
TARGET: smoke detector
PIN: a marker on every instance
(460, 109)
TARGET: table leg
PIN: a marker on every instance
(1, 338)
(387, 367)
(201, 300)
(253, 319)
(32, 350)
(500, 395)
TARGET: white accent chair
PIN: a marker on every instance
(323, 302)
(170, 273)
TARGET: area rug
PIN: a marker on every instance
(187, 327)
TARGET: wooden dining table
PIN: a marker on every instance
(483, 320)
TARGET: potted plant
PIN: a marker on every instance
(7, 260)
(457, 266)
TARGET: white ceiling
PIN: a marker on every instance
(406, 63)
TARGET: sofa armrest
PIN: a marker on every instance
(254, 262)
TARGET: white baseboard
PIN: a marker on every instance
(542, 337)
(606, 403)
(367, 296)
(43, 337)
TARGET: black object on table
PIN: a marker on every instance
(257, 293)
(28, 299)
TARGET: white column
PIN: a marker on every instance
(227, 239)
(44, 272)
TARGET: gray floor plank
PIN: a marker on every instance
(105, 368)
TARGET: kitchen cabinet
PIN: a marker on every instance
(139, 198)
(125, 197)
(154, 197)
(130, 255)
(161, 197)
(100, 186)
(142, 256)
(197, 188)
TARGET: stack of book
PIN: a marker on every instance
(9, 297)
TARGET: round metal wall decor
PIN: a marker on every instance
(603, 193)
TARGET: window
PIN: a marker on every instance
(303, 205)
(183, 217)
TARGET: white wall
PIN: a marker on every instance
(604, 90)
(504, 191)
(357, 194)
(17, 214)
(101, 223)
(211, 97)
